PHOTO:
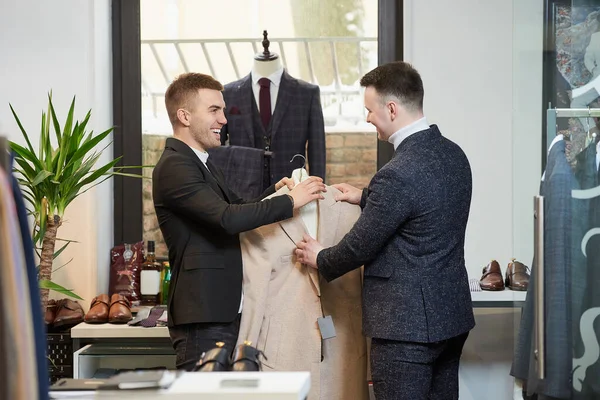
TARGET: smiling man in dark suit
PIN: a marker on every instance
(200, 219)
(410, 237)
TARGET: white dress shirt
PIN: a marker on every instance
(403, 133)
(275, 79)
(203, 156)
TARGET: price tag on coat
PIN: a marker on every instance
(326, 327)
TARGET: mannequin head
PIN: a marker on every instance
(266, 63)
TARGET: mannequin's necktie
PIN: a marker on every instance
(264, 100)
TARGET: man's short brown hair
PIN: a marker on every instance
(183, 88)
(397, 79)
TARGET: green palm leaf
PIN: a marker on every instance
(62, 168)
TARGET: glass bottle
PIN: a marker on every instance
(150, 278)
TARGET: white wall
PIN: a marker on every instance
(63, 46)
(481, 63)
(463, 51)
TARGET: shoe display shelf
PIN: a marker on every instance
(99, 349)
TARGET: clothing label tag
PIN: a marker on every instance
(326, 327)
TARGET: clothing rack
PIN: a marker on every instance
(553, 113)
(4, 154)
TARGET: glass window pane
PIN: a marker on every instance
(329, 44)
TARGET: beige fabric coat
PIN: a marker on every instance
(283, 299)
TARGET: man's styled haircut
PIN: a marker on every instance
(184, 88)
(399, 80)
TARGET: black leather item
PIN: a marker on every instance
(214, 360)
(245, 358)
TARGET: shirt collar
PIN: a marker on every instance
(403, 133)
(202, 155)
(275, 77)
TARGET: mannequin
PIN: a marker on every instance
(294, 125)
(266, 63)
(263, 69)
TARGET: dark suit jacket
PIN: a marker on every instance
(559, 215)
(296, 121)
(200, 219)
(410, 237)
(242, 168)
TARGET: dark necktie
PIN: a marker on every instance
(155, 314)
(264, 101)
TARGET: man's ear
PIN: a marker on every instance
(393, 109)
(183, 117)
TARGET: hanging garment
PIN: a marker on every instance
(556, 188)
(283, 299)
(242, 167)
(17, 324)
(586, 374)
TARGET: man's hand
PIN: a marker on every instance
(349, 193)
(285, 182)
(307, 251)
(308, 190)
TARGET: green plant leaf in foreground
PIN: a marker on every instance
(46, 284)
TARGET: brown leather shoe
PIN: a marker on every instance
(517, 276)
(98, 313)
(68, 312)
(50, 313)
(120, 310)
(492, 277)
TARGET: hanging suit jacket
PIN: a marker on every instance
(242, 168)
(556, 188)
(296, 122)
(588, 177)
(283, 299)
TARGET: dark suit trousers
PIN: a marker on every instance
(191, 340)
(416, 371)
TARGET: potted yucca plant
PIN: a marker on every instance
(55, 175)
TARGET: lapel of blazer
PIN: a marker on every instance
(329, 215)
(215, 175)
(247, 105)
(284, 96)
(183, 148)
(328, 212)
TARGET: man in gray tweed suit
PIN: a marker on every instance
(410, 238)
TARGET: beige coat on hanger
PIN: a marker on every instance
(283, 299)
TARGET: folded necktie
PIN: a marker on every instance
(155, 314)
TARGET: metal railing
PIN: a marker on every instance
(336, 94)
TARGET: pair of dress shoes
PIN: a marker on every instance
(63, 313)
(117, 311)
(244, 358)
(516, 278)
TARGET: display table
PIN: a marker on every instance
(226, 386)
(102, 348)
(108, 347)
(500, 299)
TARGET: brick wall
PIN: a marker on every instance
(351, 158)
